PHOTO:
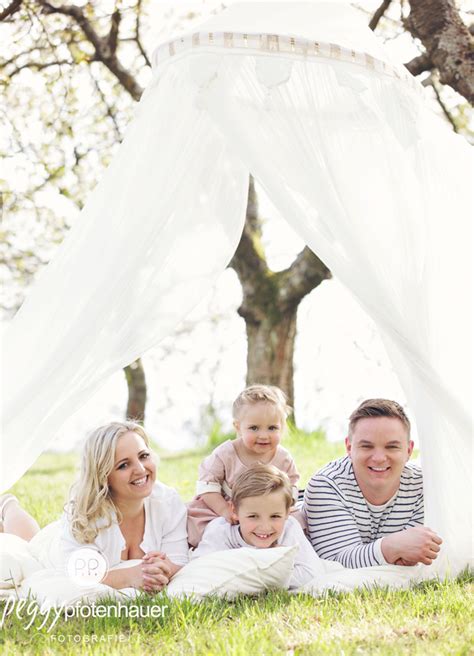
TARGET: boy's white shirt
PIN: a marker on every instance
(220, 536)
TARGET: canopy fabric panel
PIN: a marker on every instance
(368, 182)
(343, 142)
(155, 234)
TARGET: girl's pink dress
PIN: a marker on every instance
(217, 473)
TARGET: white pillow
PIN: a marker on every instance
(16, 561)
(53, 588)
(44, 546)
(346, 580)
(233, 572)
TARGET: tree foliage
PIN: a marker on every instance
(70, 76)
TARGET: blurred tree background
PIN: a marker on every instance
(71, 74)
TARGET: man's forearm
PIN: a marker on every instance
(359, 555)
(390, 547)
(335, 536)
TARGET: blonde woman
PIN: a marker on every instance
(118, 508)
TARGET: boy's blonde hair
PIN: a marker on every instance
(260, 480)
(91, 507)
(261, 394)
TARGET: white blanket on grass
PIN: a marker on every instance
(27, 570)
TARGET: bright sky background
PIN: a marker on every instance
(339, 359)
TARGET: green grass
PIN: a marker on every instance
(434, 618)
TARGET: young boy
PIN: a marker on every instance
(261, 500)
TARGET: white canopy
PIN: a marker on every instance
(304, 97)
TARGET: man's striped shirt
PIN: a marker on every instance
(343, 526)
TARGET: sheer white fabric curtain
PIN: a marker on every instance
(379, 189)
(157, 231)
(376, 186)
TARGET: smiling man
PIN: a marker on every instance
(367, 507)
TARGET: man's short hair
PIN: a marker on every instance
(378, 408)
(260, 480)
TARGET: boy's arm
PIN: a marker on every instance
(213, 539)
(307, 562)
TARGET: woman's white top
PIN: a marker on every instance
(165, 530)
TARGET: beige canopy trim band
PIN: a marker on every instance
(277, 44)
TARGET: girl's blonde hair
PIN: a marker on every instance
(258, 394)
(260, 480)
(91, 507)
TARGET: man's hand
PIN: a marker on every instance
(414, 545)
(404, 563)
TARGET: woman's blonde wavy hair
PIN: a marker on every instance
(90, 500)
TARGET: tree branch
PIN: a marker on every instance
(447, 41)
(12, 8)
(249, 259)
(374, 21)
(108, 109)
(39, 66)
(6, 63)
(419, 64)
(137, 35)
(104, 48)
(305, 273)
(446, 112)
(112, 39)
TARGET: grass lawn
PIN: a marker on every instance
(431, 619)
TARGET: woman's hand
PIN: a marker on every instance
(158, 559)
(149, 578)
(157, 570)
(137, 577)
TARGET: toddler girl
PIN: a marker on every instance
(259, 413)
(262, 497)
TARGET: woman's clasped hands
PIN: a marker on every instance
(153, 573)
(157, 571)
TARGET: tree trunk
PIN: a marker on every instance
(135, 376)
(270, 347)
(270, 303)
(448, 43)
